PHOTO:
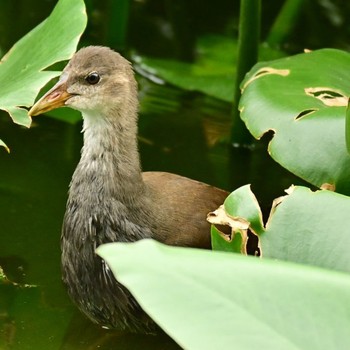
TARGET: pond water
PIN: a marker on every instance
(184, 133)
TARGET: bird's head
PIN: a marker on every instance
(95, 80)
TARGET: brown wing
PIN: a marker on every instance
(182, 207)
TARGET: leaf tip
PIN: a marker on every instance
(3, 144)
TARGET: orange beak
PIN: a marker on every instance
(54, 98)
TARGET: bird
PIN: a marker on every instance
(110, 199)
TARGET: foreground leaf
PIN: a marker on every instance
(215, 300)
(21, 69)
(303, 100)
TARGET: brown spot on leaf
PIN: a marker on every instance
(266, 71)
(240, 226)
(328, 187)
(330, 97)
(222, 221)
(220, 217)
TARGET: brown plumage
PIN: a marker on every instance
(110, 200)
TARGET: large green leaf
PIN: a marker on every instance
(21, 69)
(304, 226)
(215, 300)
(303, 100)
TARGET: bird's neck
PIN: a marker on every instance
(110, 159)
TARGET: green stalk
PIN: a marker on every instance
(118, 23)
(248, 47)
(285, 22)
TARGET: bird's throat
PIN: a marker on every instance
(110, 159)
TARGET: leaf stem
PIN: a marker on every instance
(118, 23)
(285, 22)
(248, 45)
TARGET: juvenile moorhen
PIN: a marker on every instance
(110, 200)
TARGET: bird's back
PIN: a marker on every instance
(187, 202)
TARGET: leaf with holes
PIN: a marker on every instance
(302, 100)
(242, 214)
(22, 68)
(304, 227)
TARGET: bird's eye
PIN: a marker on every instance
(93, 78)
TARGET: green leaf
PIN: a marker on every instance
(50, 42)
(243, 203)
(241, 212)
(310, 228)
(214, 300)
(234, 244)
(302, 100)
(304, 226)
